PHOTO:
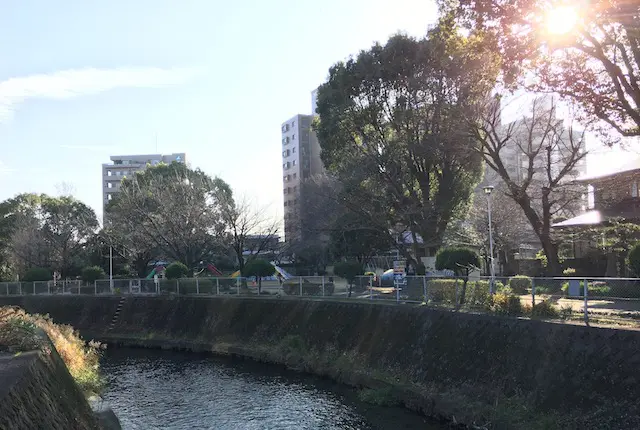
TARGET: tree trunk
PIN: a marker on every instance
(259, 285)
(554, 268)
(350, 289)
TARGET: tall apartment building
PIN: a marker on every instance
(300, 161)
(126, 165)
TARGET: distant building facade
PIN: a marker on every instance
(122, 166)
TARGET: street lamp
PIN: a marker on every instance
(488, 190)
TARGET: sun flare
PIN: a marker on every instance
(562, 19)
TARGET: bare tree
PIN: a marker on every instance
(537, 157)
(251, 229)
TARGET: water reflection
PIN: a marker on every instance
(168, 390)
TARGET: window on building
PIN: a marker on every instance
(284, 191)
(108, 196)
(287, 138)
(293, 150)
(294, 175)
(295, 188)
(285, 203)
(295, 202)
(293, 123)
(108, 172)
(109, 185)
(294, 163)
(293, 137)
(289, 190)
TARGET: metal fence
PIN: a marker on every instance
(606, 300)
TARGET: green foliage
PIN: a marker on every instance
(419, 173)
(459, 260)
(444, 291)
(37, 274)
(598, 289)
(569, 271)
(520, 284)
(505, 302)
(176, 270)
(544, 309)
(91, 274)
(634, 259)
(170, 210)
(348, 270)
(259, 268)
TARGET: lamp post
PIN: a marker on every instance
(487, 191)
(111, 267)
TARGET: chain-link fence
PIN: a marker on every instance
(607, 300)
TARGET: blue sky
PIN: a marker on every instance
(80, 81)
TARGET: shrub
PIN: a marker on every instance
(596, 289)
(569, 271)
(348, 270)
(505, 302)
(37, 274)
(444, 290)
(520, 284)
(460, 260)
(91, 274)
(176, 270)
(259, 268)
(634, 259)
(545, 309)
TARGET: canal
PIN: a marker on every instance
(152, 389)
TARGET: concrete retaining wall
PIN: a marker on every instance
(442, 363)
(37, 392)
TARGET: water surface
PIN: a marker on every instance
(152, 389)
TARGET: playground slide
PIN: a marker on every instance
(282, 273)
(236, 274)
(155, 271)
(213, 269)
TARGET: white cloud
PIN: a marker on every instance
(68, 84)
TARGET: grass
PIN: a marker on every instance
(19, 332)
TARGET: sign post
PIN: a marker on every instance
(398, 275)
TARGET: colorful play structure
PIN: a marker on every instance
(156, 271)
(279, 271)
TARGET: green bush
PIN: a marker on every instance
(595, 289)
(634, 259)
(444, 290)
(505, 302)
(37, 274)
(176, 270)
(460, 260)
(544, 309)
(91, 274)
(292, 288)
(520, 284)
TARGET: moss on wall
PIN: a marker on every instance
(498, 372)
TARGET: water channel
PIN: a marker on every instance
(150, 389)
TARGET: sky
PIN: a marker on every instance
(80, 81)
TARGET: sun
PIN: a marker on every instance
(562, 19)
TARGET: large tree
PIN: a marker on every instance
(537, 158)
(587, 52)
(250, 228)
(393, 114)
(172, 210)
(45, 231)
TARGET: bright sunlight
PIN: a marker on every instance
(562, 19)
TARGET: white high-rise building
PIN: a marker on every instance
(300, 161)
(122, 166)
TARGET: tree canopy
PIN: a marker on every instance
(389, 128)
(171, 209)
(595, 62)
